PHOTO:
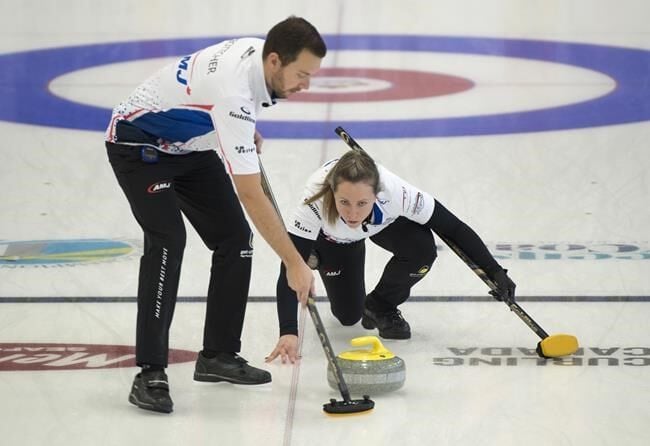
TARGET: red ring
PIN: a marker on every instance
(404, 85)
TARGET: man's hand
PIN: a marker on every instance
(505, 287)
(301, 279)
(268, 222)
(286, 349)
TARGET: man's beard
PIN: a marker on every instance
(278, 87)
(280, 94)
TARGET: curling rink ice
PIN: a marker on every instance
(529, 120)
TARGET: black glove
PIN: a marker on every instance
(505, 287)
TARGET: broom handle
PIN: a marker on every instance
(311, 306)
(514, 306)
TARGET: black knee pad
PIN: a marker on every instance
(426, 256)
(417, 259)
(348, 319)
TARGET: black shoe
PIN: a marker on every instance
(390, 323)
(150, 391)
(228, 367)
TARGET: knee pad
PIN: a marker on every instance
(348, 319)
(347, 314)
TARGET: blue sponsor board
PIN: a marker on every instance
(60, 252)
(569, 250)
(572, 251)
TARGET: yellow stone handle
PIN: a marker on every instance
(377, 348)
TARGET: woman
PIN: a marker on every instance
(347, 201)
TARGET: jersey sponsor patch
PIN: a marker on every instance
(158, 187)
(298, 225)
(405, 199)
(248, 52)
(181, 73)
(421, 272)
(243, 149)
(246, 253)
(314, 209)
(242, 116)
(419, 204)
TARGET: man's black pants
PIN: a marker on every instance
(195, 185)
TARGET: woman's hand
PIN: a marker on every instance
(286, 349)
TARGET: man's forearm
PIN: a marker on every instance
(265, 219)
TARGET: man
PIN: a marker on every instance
(161, 144)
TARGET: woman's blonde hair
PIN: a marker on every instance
(355, 167)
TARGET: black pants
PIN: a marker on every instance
(197, 186)
(341, 267)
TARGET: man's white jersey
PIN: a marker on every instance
(204, 101)
(396, 198)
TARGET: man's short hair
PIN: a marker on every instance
(292, 35)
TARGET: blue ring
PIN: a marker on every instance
(26, 98)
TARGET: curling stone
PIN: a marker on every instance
(369, 371)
